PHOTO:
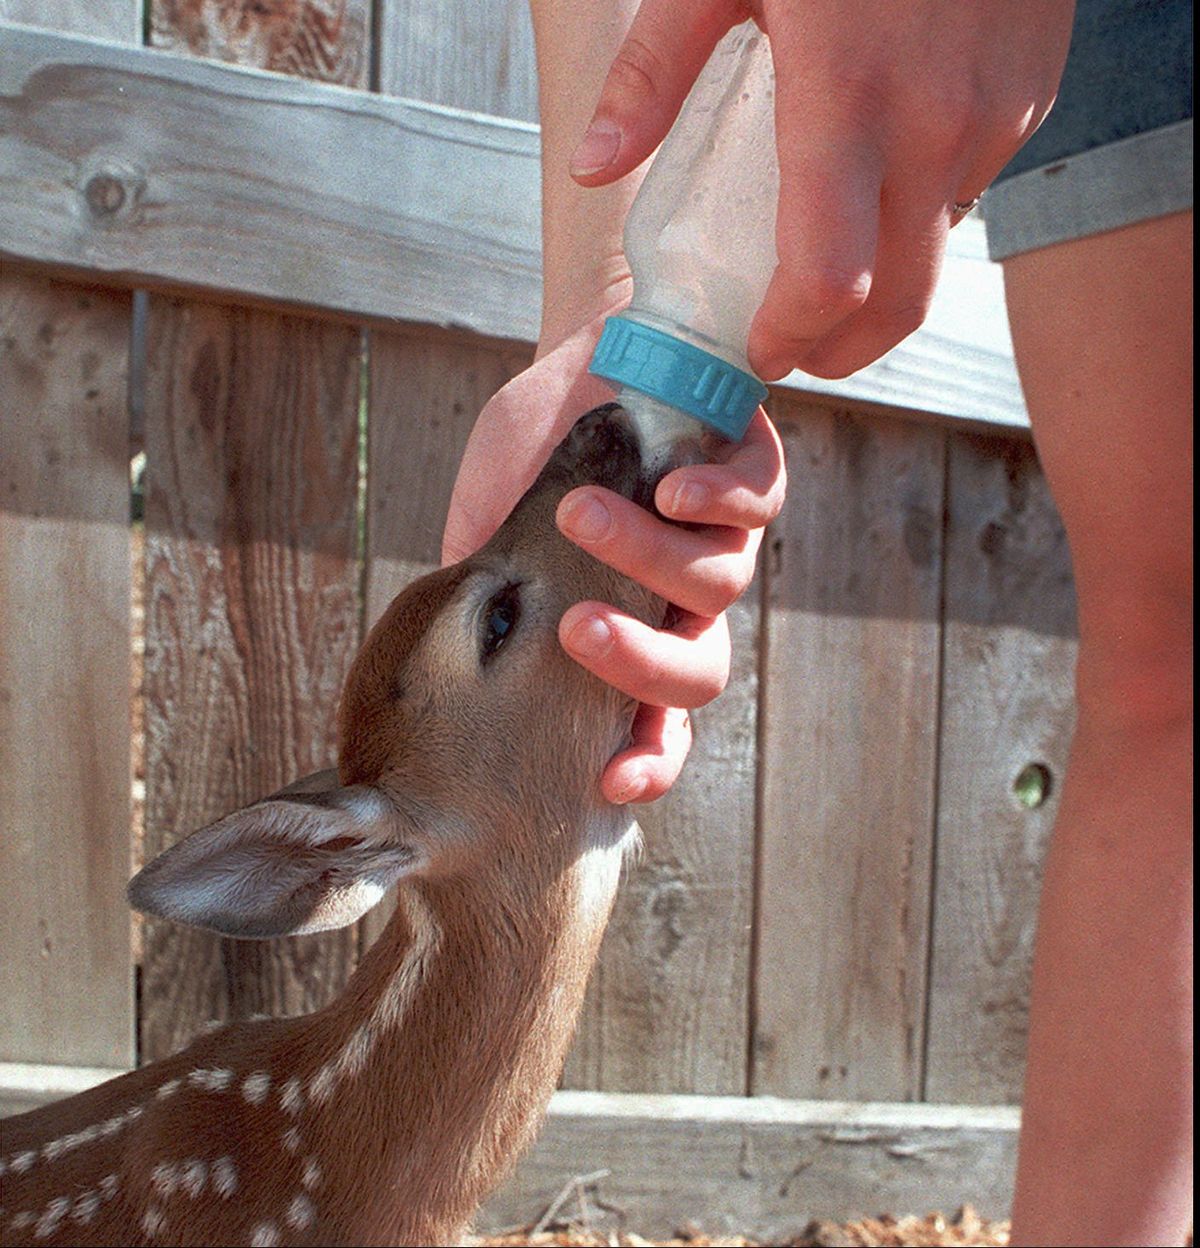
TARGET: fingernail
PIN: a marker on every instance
(585, 518)
(590, 637)
(597, 150)
(691, 497)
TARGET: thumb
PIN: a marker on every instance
(667, 46)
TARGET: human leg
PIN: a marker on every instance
(1102, 330)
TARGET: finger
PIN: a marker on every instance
(701, 570)
(830, 177)
(655, 67)
(912, 245)
(744, 492)
(687, 666)
(650, 765)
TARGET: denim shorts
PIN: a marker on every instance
(1117, 146)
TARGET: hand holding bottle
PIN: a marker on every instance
(887, 116)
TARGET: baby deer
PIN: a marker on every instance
(470, 748)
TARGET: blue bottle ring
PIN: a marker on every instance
(678, 373)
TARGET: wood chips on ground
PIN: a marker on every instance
(885, 1231)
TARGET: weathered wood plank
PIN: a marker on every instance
(291, 385)
(341, 201)
(251, 617)
(65, 975)
(238, 181)
(848, 758)
(471, 56)
(758, 1166)
(115, 19)
(1007, 705)
(425, 391)
(667, 1008)
(325, 40)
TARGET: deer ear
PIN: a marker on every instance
(311, 857)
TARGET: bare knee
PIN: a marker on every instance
(1135, 676)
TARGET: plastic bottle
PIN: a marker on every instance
(700, 241)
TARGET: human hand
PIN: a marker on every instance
(701, 569)
(886, 117)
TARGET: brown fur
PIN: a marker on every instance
(481, 970)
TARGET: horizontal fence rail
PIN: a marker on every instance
(147, 168)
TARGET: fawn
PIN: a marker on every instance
(469, 751)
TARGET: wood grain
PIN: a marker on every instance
(667, 1008)
(251, 617)
(848, 758)
(474, 56)
(119, 20)
(325, 40)
(313, 195)
(757, 1166)
(342, 201)
(252, 483)
(65, 976)
(1007, 703)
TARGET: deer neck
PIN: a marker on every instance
(459, 1021)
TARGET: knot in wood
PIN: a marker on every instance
(105, 194)
(111, 188)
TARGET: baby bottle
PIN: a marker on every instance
(700, 242)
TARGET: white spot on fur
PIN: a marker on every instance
(256, 1086)
(165, 1178)
(426, 936)
(153, 1221)
(291, 1139)
(168, 1089)
(264, 1235)
(312, 1173)
(22, 1161)
(211, 1080)
(64, 1144)
(85, 1208)
(322, 1084)
(194, 1176)
(112, 1125)
(291, 1097)
(301, 1214)
(224, 1177)
(21, 1221)
(56, 1210)
(108, 1186)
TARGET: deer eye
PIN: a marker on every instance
(500, 618)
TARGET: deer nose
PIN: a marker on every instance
(603, 448)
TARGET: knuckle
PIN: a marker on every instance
(900, 322)
(877, 333)
(635, 75)
(826, 292)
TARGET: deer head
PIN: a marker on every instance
(467, 739)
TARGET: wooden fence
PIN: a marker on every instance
(295, 293)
